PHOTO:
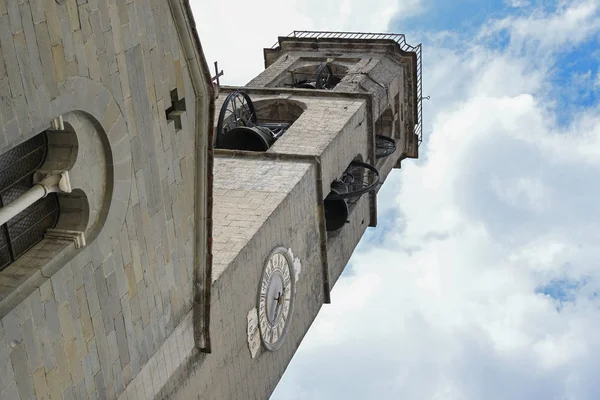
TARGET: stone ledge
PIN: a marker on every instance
(39, 264)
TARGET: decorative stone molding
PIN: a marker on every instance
(253, 332)
(76, 237)
(93, 101)
(80, 103)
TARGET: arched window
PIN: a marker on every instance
(36, 199)
(27, 228)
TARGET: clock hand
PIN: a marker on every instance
(279, 300)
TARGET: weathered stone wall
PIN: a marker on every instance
(88, 324)
(334, 129)
(341, 243)
(259, 205)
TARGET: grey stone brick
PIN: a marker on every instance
(139, 95)
(104, 16)
(143, 304)
(133, 24)
(39, 383)
(12, 329)
(105, 301)
(26, 76)
(37, 11)
(10, 392)
(148, 384)
(93, 356)
(136, 312)
(93, 4)
(102, 346)
(72, 297)
(59, 281)
(92, 60)
(78, 40)
(62, 363)
(23, 374)
(80, 391)
(121, 340)
(32, 346)
(98, 32)
(7, 375)
(149, 339)
(120, 274)
(113, 349)
(113, 293)
(10, 56)
(14, 17)
(110, 52)
(32, 47)
(90, 289)
(85, 22)
(46, 347)
(88, 374)
(68, 394)
(118, 373)
(66, 322)
(100, 387)
(141, 341)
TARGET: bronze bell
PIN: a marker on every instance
(254, 138)
(336, 210)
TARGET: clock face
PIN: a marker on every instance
(276, 299)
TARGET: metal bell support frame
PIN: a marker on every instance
(358, 179)
(238, 128)
(322, 79)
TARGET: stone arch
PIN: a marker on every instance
(278, 110)
(263, 122)
(94, 151)
(95, 105)
(306, 71)
(384, 125)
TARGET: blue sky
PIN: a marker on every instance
(482, 280)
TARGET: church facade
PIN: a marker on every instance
(164, 237)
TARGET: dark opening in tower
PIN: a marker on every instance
(254, 126)
(358, 178)
(323, 76)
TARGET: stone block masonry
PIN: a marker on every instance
(94, 323)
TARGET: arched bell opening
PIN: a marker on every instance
(359, 178)
(245, 125)
(323, 76)
(336, 212)
(385, 145)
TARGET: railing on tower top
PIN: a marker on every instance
(398, 38)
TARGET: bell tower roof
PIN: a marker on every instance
(333, 44)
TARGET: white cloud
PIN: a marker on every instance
(502, 203)
(517, 3)
(234, 33)
(540, 31)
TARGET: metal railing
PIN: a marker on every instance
(398, 38)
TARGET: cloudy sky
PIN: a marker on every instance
(482, 280)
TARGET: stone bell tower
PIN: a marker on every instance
(300, 153)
